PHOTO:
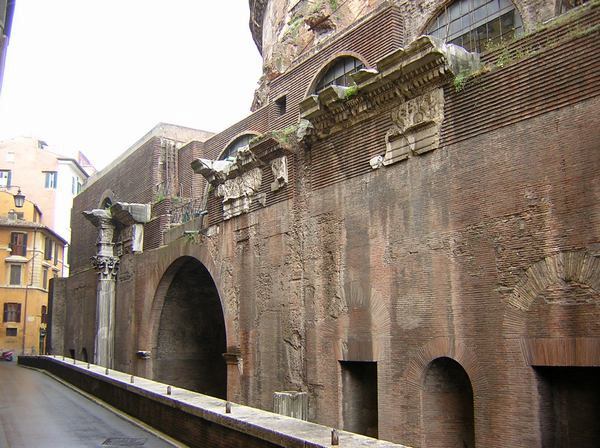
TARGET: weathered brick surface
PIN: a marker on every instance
(484, 251)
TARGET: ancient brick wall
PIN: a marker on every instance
(130, 181)
(484, 250)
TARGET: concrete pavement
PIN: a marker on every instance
(38, 411)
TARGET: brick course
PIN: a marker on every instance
(415, 261)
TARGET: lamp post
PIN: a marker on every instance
(19, 197)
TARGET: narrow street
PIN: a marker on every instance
(38, 411)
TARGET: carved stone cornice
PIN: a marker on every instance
(129, 214)
(216, 172)
(425, 64)
(106, 266)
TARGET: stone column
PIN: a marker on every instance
(107, 266)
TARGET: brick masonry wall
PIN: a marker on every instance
(130, 181)
(434, 256)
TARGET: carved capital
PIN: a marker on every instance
(107, 267)
(102, 219)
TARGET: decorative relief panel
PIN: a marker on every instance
(237, 193)
(416, 127)
(280, 173)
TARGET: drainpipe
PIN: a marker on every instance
(27, 285)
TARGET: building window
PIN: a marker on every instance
(44, 314)
(339, 72)
(18, 243)
(281, 105)
(75, 185)
(55, 254)
(565, 5)
(11, 332)
(15, 274)
(45, 278)
(476, 24)
(50, 179)
(235, 146)
(12, 312)
(5, 176)
(47, 249)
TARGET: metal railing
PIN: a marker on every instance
(183, 213)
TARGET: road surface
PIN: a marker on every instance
(37, 411)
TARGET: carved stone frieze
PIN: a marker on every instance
(237, 181)
(107, 267)
(238, 192)
(416, 127)
(280, 173)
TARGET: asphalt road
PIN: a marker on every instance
(37, 411)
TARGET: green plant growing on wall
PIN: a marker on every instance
(294, 26)
(192, 236)
(465, 76)
(351, 91)
(460, 81)
(316, 7)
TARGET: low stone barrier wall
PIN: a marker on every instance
(194, 419)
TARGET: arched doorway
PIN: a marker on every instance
(447, 406)
(190, 335)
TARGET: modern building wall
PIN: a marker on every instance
(48, 179)
(26, 269)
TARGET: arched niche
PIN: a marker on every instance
(447, 406)
(189, 330)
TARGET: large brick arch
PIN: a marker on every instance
(187, 328)
(445, 347)
(158, 268)
(567, 266)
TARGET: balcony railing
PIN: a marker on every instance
(183, 213)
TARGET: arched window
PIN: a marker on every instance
(235, 146)
(339, 73)
(476, 24)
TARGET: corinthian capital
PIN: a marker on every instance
(107, 267)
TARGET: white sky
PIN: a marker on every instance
(95, 76)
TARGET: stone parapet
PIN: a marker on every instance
(199, 417)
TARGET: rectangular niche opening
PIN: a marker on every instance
(569, 406)
(281, 105)
(359, 397)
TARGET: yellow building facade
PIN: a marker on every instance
(30, 255)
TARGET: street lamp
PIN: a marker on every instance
(19, 197)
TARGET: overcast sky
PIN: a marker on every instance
(95, 76)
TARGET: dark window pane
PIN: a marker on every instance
(12, 312)
(15, 274)
(468, 19)
(339, 73)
